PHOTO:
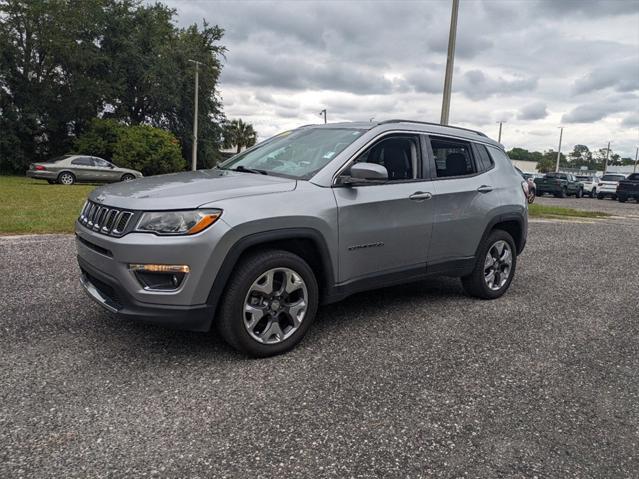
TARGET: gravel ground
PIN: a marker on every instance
(411, 381)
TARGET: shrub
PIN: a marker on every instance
(152, 151)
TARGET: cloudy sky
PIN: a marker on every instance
(534, 64)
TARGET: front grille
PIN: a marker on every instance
(104, 219)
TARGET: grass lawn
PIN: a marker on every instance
(545, 211)
(34, 206)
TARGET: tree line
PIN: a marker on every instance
(580, 156)
(64, 63)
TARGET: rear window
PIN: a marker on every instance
(57, 158)
(634, 177)
(613, 177)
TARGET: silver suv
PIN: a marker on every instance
(307, 217)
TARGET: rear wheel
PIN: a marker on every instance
(622, 199)
(269, 303)
(66, 178)
(563, 193)
(593, 193)
(494, 267)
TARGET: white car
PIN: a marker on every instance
(608, 185)
(591, 184)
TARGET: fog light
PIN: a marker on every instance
(160, 277)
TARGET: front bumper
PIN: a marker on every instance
(108, 293)
(106, 276)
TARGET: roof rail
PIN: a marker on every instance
(432, 124)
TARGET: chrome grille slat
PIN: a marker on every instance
(104, 219)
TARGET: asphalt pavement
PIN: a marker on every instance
(410, 381)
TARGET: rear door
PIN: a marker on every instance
(465, 192)
(82, 167)
(385, 228)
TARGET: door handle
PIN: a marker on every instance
(420, 196)
(485, 189)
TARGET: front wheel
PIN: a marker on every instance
(128, 177)
(494, 267)
(269, 303)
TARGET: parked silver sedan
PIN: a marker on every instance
(70, 169)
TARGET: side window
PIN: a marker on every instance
(452, 157)
(398, 154)
(100, 162)
(484, 160)
(82, 161)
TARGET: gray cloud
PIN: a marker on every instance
(533, 111)
(476, 85)
(591, 112)
(621, 75)
(632, 120)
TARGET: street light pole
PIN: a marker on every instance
(607, 156)
(323, 112)
(450, 60)
(499, 137)
(195, 114)
(634, 170)
(561, 134)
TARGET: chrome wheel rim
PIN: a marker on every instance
(128, 178)
(66, 179)
(275, 306)
(498, 265)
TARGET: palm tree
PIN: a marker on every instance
(239, 134)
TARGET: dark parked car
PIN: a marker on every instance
(560, 185)
(70, 169)
(628, 188)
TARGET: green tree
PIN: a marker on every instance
(239, 134)
(580, 154)
(521, 154)
(100, 139)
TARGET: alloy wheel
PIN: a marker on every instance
(275, 305)
(66, 179)
(498, 265)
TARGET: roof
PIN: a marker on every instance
(415, 125)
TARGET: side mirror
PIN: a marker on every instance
(367, 173)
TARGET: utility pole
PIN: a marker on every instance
(607, 156)
(634, 170)
(323, 112)
(561, 134)
(195, 101)
(499, 137)
(450, 60)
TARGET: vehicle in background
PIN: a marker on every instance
(590, 182)
(628, 188)
(532, 188)
(608, 185)
(560, 185)
(70, 169)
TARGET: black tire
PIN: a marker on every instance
(614, 197)
(127, 177)
(230, 322)
(622, 199)
(475, 284)
(563, 193)
(600, 196)
(580, 193)
(66, 178)
(593, 193)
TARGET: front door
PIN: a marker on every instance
(385, 228)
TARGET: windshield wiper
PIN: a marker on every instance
(244, 169)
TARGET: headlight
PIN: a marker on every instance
(177, 222)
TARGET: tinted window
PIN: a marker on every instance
(452, 158)
(613, 177)
(484, 160)
(399, 155)
(634, 177)
(82, 161)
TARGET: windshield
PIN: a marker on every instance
(296, 154)
(613, 177)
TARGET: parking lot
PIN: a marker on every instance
(410, 381)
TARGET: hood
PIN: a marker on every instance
(188, 189)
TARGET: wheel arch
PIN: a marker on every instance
(307, 243)
(514, 224)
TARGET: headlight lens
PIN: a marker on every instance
(177, 222)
